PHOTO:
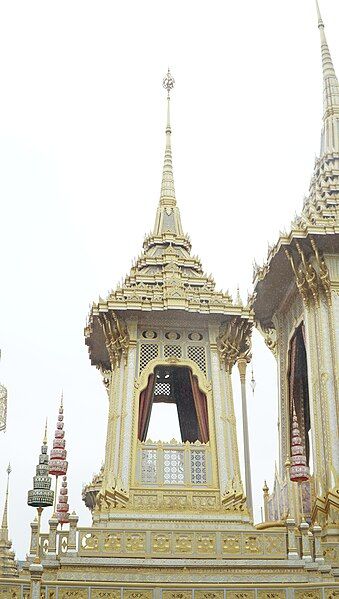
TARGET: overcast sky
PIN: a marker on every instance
(82, 116)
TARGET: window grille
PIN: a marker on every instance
(173, 467)
(198, 467)
(197, 354)
(149, 466)
(162, 389)
(148, 351)
(172, 350)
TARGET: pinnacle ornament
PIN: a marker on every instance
(299, 471)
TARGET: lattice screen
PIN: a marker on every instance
(197, 354)
(172, 350)
(149, 466)
(162, 389)
(148, 351)
(198, 467)
(173, 467)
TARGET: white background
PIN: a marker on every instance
(82, 116)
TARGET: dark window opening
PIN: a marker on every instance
(176, 385)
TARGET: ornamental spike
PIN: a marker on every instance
(41, 495)
(299, 471)
(58, 464)
(4, 525)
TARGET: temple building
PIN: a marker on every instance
(174, 519)
(296, 308)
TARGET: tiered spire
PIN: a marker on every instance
(41, 496)
(58, 464)
(321, 207)
(330, 136)
(299, 471)
(7, 559)
(167, 195)
(168, 216)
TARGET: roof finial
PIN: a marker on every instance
(45, 435)
(320, 21)
(167, 195)
(330, 140)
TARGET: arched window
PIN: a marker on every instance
(176, 385)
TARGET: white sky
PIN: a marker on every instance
(82, 116)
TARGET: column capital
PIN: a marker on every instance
(242, 365)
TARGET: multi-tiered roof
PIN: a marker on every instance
(165, 276)
(316, 229)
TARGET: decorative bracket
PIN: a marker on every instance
(311, 283)
(270, 337)
(116, 337)
(234, 342)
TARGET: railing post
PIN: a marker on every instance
(291, 539)
(305, 541)
(72, 535)
(36, 575)
(34, 539)
(318, 550)
(52, 537)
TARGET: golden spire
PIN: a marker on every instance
(167, 195)
(168, 220)
(4, 525)
(330, 142)
(328, 68)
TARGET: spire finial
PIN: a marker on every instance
(45, 435)
(328, 68)
(167, 195)
(320, 21)
(329, 142)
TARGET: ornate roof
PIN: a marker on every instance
(319, 218)
(166, 275)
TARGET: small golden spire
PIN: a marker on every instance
(167, 194)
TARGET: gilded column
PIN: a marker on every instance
(219, 403)
(242, 364)
(128, 410)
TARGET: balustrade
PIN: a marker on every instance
(173, 464)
